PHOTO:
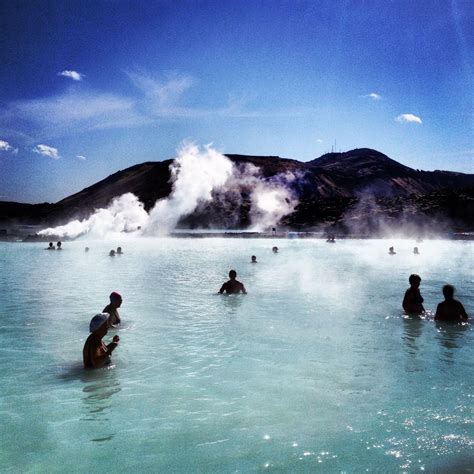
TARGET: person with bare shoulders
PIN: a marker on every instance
(254, 259)
(51, 246)
(450, 310)
(96, 353)
(413, 301)
(112, 309)
(233, 286)
(59, 244)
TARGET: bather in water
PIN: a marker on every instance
(450, 310)
(413, 301)
(112, 309)
(233, 286)
(96, 353)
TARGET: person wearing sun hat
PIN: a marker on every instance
(112, 309)
(96, 353)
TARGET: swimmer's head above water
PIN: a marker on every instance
(115, 299)
(414, 280)
(254, 259)
(98, 324)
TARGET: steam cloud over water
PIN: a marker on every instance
(199, 177)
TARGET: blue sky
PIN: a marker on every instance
(90, 87)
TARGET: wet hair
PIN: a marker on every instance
(232, 274)
(414, 277)
(254, 257)
(448, 291)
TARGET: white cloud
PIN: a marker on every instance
(373, 96)
(46, 150)
(403, 118)
(74, 75)
(319, 140)
(5, 146)
(81, 157)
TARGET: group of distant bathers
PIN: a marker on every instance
(52, 247)
(113, 252)
(449, 310)
(391, 251)
(96, 353)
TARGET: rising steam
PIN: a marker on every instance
(198, 177)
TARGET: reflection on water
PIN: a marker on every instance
(99, 388)
(451, 338)
(232, 302)
(412, 329)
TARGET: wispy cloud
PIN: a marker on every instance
(74, 75)
(155, 100)
(319, 140)
(46, 150)
(81, 157)
(72, 111)
(407, 118)
(373, 96)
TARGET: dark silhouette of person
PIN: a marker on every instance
(254, 259)
(51, 246)
(391, 251)
(112, 309)
(275, 249)
(413, 301)
(87, 249)
(112, 253)
(233, 286)
(119, 251)
(450, 310)
(96, 353)
(59, 245)
(415, 251)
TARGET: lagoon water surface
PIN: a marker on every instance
(315, 370)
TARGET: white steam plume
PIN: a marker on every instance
(199, 177)
(195, 174)
(125, 214)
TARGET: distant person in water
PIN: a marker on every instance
(87, 249)
(51, 246)
(415, 251)
(112, 253)
(96, 353)
(254, 259)
(450, 309)
(59, 245)
(413, 301)
(275, 249)
(233, 286)
(391, 251)
(119, 251)
(112, 309)
(331, 239)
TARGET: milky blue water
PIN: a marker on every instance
(315, 370)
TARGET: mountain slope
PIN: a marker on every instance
(327, 189)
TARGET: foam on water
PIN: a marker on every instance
(314, 369)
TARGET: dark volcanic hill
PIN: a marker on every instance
(337, 189)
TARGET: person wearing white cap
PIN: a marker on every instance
(96, 353)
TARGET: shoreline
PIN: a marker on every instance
(239, 234)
